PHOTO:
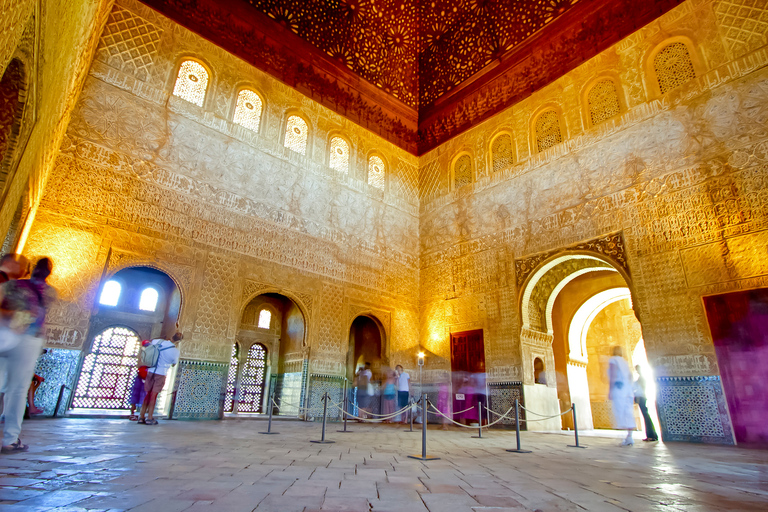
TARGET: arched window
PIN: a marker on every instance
(265, 317)
(502, 153)
(252, 380)
(539, 371)
(603, 101)
(339, 155)
(462, 171)
(376, 172)
(191, 82)
(547, 130)
(148, 299)
(673, 66)
(296, 134)
(108, 371)
(229, 399)
(248, 110)
(110, 294)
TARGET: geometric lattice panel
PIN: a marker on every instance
(229, 400)
(129, 43)
(200, 389)
(743, 24)
(58, 367)
(252, 380)
(693, 409)
(319, 385)
(108, 371)
(502, 397)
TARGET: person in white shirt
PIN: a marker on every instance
(403, 389)
(153, 384)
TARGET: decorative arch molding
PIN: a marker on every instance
(380, 316)
(650, 77)
(582, 320)
(252, 289)
(590, 85)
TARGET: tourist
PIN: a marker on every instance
(364, 390)
(137, 392)
(168, 356)
(389, 395)
(640, 399)
(620, 394)
(23, 303)
(443, 399)
(12, 266)
(403, 390)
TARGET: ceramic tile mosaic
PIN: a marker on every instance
(318, 386)
(58, 367)
(200, 388)
(693, 409)
(502, 397)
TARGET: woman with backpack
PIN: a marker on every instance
(23, 305)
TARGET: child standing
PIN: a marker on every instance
(137, 392)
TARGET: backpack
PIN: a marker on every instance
(150, 354)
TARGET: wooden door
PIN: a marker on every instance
(467, 372)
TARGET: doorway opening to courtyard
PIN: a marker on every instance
(268, 356)
(367, 349)
(468, 379)
(137, 303)
(577, 306)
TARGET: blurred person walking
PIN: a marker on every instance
(23, 305)
(403, 390)
(640, 400)
(621, 396)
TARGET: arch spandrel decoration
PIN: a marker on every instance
(252, 289)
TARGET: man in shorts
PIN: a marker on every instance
(153, 384)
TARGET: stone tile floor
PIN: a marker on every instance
(76, 465)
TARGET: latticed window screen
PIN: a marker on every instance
(248, 110)
(296, 135)
(603, 101)
(191, 82)
(673, 66)
(108, 371)
(252, 380)
(548, 130)
(462, 172)
(229, 399)
(501, 152)
(339, 157)
(376, 172)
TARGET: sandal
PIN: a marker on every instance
(133, 417)
(152, 422)
(16, 447)
(141, 421)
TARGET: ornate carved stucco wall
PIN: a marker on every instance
(146, 178)
(682, 176)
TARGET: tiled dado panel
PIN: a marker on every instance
(58, 367)
(502, 397)
(200, 388)
(318, 385)
(693, 409)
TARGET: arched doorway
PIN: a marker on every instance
(367, 348)
(134, 304)
(268, 355)
(575, 306)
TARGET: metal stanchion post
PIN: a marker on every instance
(575, 428)
(479, 420)
(517, 428)
(271, 403)
(424, 455)
(325, 414)
(345, 409)
(410, 415)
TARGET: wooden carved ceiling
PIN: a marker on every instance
(417, 72)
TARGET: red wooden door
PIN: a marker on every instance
(467, 372)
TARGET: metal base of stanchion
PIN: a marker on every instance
(520, 451)
(477, 437)
(323, 442)
(346, 431)
(269, 432)
(419, 457)
(574, 446)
